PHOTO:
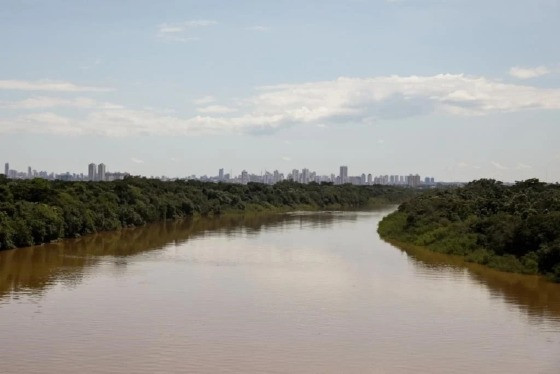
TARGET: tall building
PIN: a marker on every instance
(369, 179)
(29, 173)
(305, 176)
(295, 175)
(277, 176)
(413, 180)
(92, 172)
(101, 172)
(6, 169)
(244, 177)
(221, 174)
(343, 174)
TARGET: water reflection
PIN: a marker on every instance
(300, 292)
(533, 295)
(32, 270)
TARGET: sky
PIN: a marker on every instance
(454, 89)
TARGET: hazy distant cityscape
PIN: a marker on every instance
(95, 173)
(98, 172)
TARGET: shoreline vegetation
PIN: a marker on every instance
(510, 228)
(39, 211)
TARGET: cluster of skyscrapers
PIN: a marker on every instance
(99, 173)
(307, 176)
(29, 174)
(95, 173)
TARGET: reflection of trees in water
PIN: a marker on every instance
(533, 295)
(33, 269)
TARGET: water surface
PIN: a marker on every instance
(306, 292)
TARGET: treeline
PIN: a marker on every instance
(39, 211)
(513, 228)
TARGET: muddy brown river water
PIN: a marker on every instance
(304, 292)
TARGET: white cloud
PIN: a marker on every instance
(258, 28)
(46, 122)
(216, 109)
(180, 32)
(45, 102)
(286, 158)
(136, 160)
(521, 165)
(48, 85)
(527, 73)
(340, 101)
(394, 96)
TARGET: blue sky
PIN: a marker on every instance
(455, 89)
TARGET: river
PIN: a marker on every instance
(315, 292)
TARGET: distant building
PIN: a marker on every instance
(92, 172)
(413, 180)
(343, 174)
(295, 175)
(7, 169)
(244, 177)
(101, 172)
(369, 179)
(221, 174)
(305, 176)
(355, 180)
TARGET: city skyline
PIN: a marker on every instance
(98, 172)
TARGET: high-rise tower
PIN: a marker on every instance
(92, 172)
(343, 174)
(101, 172)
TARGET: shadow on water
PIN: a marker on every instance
(533, 295)
(32, 270)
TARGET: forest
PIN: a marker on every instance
(512, 228)
(38, 211)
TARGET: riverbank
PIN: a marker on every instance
(39, 211)
(509, 228)
(392, 229)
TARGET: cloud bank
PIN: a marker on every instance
(48, 85)
(340, 101)
(527, 73)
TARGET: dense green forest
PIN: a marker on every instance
(39, 211)
(513, 228)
